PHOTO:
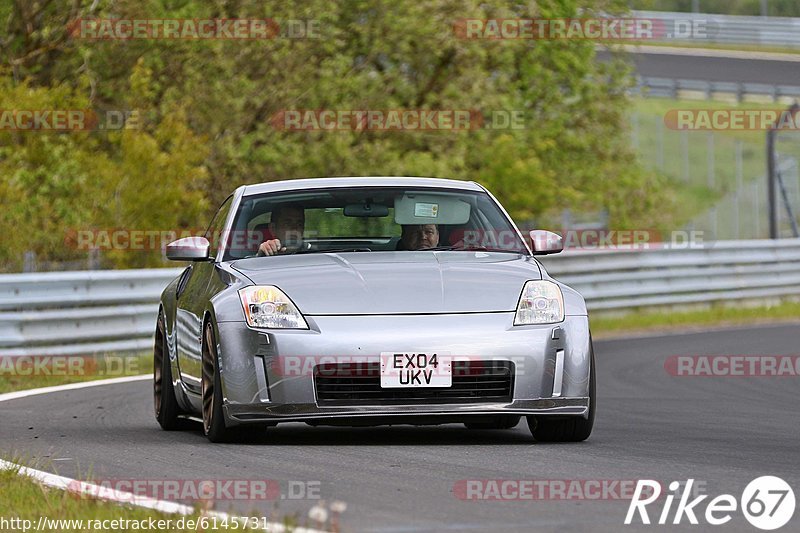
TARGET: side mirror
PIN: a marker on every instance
(546, 242)
(189, 249)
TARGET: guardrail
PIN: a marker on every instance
(67, 313)
(722, 271)
(63, 313)
(715, 90)
(782, 32)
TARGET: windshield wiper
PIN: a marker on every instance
(469, 249)
(440, 248)
(333, 251)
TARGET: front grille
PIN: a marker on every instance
(360, 384)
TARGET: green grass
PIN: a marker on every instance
(25, 499)
(715, 316)
(17, 374)
(684, 159)
(651, 112)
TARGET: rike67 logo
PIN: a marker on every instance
(767, 502)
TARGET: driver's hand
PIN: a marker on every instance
(271, 247)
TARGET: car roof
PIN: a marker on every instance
(361, 181)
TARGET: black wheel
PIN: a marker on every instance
(573, 429)
(501, 422)
(211, 391)
(165, 403)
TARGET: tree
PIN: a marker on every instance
(207, 106)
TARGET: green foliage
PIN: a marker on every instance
(56, 183)
(206, 108)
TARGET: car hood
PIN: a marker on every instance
(396, 282)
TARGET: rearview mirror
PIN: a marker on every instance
(188, 249)
(546, 242)
(366, 210)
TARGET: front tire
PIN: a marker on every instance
(164, 401)
(211, 392)
(573, 429)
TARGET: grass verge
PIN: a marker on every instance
(19, 373)
(716, 316)
(718, 46)
(24, 501)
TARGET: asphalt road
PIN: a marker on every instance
(722, 432)
(696, 67)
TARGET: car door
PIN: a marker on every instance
(193, 295)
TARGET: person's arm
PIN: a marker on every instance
(271, 247)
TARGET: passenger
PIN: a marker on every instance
(419, 237)
(286, 227)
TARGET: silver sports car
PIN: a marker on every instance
(367, 301)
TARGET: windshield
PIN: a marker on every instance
(369, 219)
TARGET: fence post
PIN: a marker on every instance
(566, 219)
(739, 186)
(712, 222)
(29, 261)
(757, 209)
(685, 152)
(660, 143)
(710, 149)
(771, 196)
(739, 165)
(94, 259)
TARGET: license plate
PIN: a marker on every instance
(404, 369)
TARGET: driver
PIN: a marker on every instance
(419, 237)
(286, 226)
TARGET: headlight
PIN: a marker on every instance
(266, 306)
(541, 302)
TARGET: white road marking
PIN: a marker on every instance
(105, 493)
(71, 386)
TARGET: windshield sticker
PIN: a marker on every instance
(426, 210)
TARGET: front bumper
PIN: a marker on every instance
(267, 376)
(243, 413)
